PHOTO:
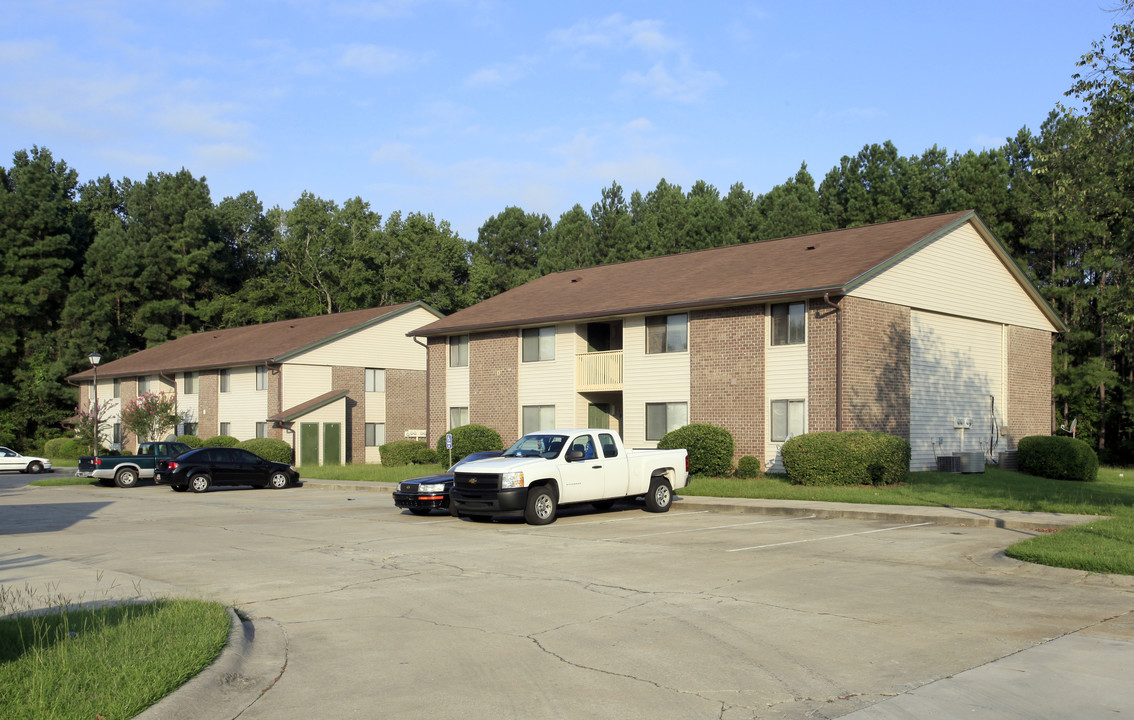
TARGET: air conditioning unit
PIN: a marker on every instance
(415, 434)
(962, 423)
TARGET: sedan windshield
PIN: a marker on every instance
(545, 446)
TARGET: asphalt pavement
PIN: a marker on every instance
(722, 608)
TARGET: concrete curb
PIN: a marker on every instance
(250, 664)
(962, 517)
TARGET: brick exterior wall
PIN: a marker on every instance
(876, 366)
(494, 382)
(405, 403)
(208, 400)
(822, 354)
(353, 380)
(1029, 383)
(437, 359)
(726, 369)
(275, 402)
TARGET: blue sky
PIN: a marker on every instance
(462, 108)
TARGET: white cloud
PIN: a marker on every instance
(373, 59)
(498, 74)
(225, 154)
(685, 85)
(616, 31)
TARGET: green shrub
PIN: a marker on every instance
(467, 439)
(221, 441)
(71, 449)
(709, 447)
(191, 440)
(749, 467)
(1058, 457)
(406, 452)
(855, 457)
(54, 448)
(269, 449)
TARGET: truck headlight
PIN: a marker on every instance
(431, 487)
(511, 480)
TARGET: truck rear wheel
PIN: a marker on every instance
(126, 478)
(541, 505)
(660, 496)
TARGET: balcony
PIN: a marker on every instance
(595, 372)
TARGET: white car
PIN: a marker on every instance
(12, 460)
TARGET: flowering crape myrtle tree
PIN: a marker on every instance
(150, 415)
(87, 422)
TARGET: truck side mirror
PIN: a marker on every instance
(575, 455)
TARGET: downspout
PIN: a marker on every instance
(428, 407)
(838, 363)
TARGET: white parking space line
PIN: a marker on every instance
(829, 537)
(704, 529)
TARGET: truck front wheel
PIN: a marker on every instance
(541, 505)
(126, 478)
(660, 496)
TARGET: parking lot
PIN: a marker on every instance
(621, 614)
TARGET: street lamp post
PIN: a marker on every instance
(95, 359)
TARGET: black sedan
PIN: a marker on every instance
(200, 469)
(423, 494)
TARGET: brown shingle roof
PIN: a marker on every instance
(251, 345)
(789, 267)
(305, 407)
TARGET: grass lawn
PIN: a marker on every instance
(107, 662)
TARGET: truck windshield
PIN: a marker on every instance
(545, 446)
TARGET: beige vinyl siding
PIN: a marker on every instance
(958, 274)
(456, 388)
(243, 406)
(106, 399)
(302, 382)
(383, 345)
(956, 369)
(648, 378)
(549, 382)
(785, 378)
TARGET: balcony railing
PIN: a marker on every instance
(598, 371)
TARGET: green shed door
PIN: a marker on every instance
(332, 436)
(309, 444)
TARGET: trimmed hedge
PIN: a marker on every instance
(221, 441)
(406, 452)
(749, 467)
(53, 448)
(1058, 457)
(856, 457)
(269, 449)
(467, 439)
(191, 440)
(709, 447)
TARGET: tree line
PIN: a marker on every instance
(123, 265)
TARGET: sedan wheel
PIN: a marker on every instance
(278, 480)
(35, 467)
(126, 478)
(199, 483)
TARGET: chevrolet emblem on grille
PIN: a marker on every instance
(472, 481)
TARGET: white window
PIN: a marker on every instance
(787, 419)
(375, 380)
(261, 378)
(226, 428)
(667, 333)
(458, 416)
(662, 418)
(789, 323)
(116, 433)
(143, 385)
(223, 380)
(117, 389)
(538, 344)
(375, 434)
(459, 351)
(538, 417)
(261, 429)
(190, 383)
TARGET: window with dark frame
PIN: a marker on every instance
(789, 323)
(667, 333)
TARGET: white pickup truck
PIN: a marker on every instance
(546, 469)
